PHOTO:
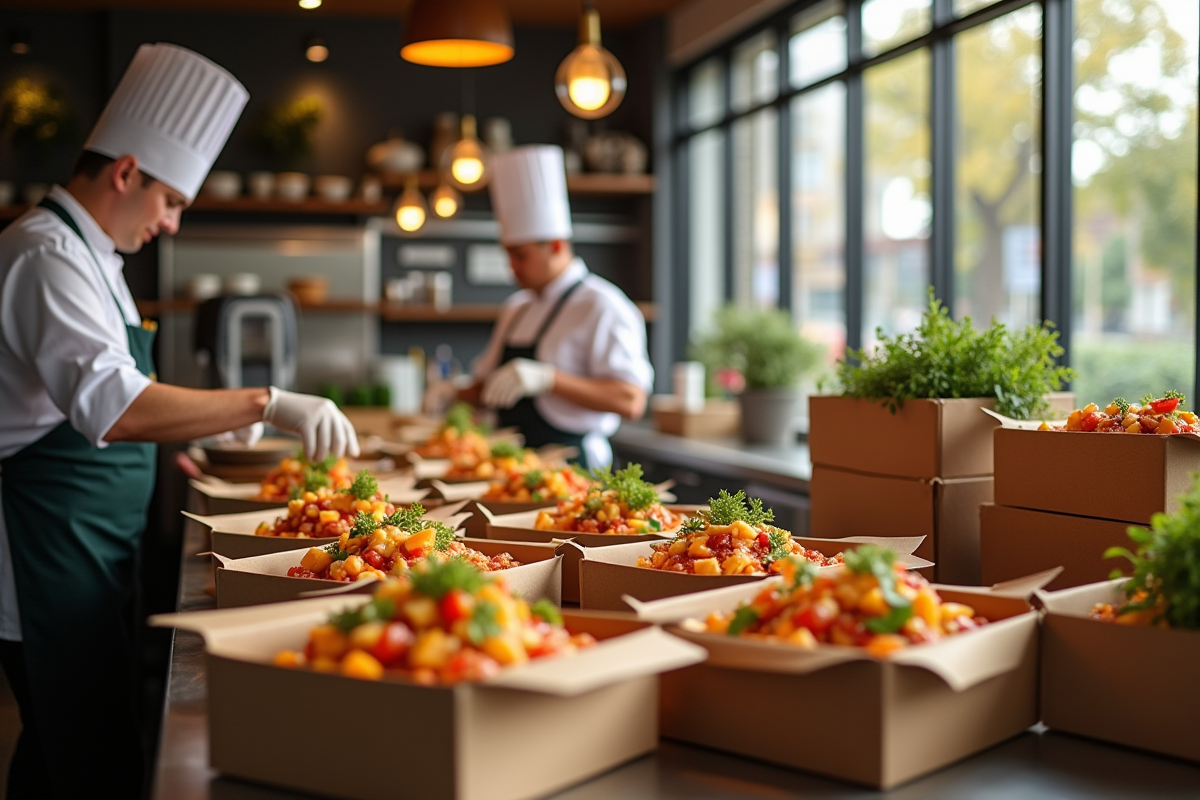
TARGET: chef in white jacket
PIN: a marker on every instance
(81, 411)
(567, 358)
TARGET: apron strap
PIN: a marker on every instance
(56, 208)
(546, 323)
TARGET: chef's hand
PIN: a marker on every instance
(246, 437)
(521, 377)
(323, 429)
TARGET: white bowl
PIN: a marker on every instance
(333, 188)
(222, 185)
(262, 184)
(292, 186)
(203, 285)
(243, 283)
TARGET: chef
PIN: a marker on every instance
(81, 410)
(567, 359)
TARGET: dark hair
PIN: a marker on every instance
(90, 164)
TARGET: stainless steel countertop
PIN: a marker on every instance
(1036, 764)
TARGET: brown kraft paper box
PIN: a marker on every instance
(500, 739)
(945, 512)
(1017, 541)
(838, 712)
(1065, 472)
(608, 574)
(1130, 685)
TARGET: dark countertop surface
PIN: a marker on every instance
(1036, 764)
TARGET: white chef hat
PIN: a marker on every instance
(174, 110)
(529, 194)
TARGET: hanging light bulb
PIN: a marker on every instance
(457, 33)
(467, 161)
(590, 82)
(445, 201)
(410, 207)
(315, 49)
(309, 5)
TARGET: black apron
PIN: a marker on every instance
(75, 514)
(524, 415)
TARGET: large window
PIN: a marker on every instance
(846, 155)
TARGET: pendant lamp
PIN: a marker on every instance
(410, 207)
(445, 201)
(466, 164)
(457, 33)
(590, 82)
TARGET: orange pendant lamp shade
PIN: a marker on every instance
(457, 33)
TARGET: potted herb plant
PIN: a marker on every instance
(765, 350)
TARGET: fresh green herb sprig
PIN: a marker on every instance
(546, 611)
(726, 508)
(533, 478)
(443, 536)
(436, 578)
(461, 417)
(409, 519)
(364, 487)
(364, 525)
(1175, 395)
(805, 572)
(338, 553)
(945, 358)
(506, 448)
(743, 618)
(869, 559)
(374, 610)
(483, 624)
(779, 547)
(693, 525)
(1122, 405)
(1166, 564)
(629, 486)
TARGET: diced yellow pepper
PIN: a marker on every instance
(316, 559)
(505, 649)
(367, 635)
(358, 664)
(422, 611)
(329, 516)
(699, 548)
(706, 566)
(433, 648)
(420, 541)
(328, 642)
(955, 610)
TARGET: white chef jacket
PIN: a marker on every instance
(599, 333)
(63, 347)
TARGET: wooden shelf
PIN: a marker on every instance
(592, 184)
(392, 312)
(310, 205)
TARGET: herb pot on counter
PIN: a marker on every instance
(769, 416)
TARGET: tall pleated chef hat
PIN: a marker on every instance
(174, 110)
(529, 194)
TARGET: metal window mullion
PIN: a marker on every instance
(854, 177)
(1057, 113)
(681, 305)
(783, 171)
(729, 219)
(942, 157)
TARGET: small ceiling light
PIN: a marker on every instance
(445, 201)
(467, 161)
(315, 49)
(410, 207)
(590, 82)
(309, 5)
(18, 42)
(457, 33)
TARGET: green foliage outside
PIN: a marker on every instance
(35, 117)
(761, 344)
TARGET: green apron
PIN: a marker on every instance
(75, 514)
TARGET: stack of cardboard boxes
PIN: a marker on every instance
(922, 471)
(1063, 497)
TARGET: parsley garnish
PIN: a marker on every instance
(460, 417)
(1172, 394)
(409, 519)
(693, 525)
(507, 449)
(483, 624)
(743, 618)
(435, 579)
(443, 537)
(365, 487)
(1122, 405)
(547, 611)
(375, 610)
(364, 525)
(891, 622)
(871, 559)
(780, 547)
(628, 485)
(533, 478)
(725, 509)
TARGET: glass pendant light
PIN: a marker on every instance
(466, 163)
(590, 82)
(445, 201)
(410, 207)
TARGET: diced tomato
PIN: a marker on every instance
(817, 617)
(764, 541)
(1165, 405)
(455, 605)
(1090, 422)
(393, 644)
(373, 558)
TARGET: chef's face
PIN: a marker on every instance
(147, 208)
(535, 264)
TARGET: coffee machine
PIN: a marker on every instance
(247, 341)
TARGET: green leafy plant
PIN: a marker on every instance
(629, 486)
(286, 131)
(944, 358)
(1166, 564)
(762, 344)
(726, 508)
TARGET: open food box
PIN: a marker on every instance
(498, 739)
(1127, 684)
(232, 535)
(264, 579)
(519, 527)
(609, 574)
(839, 711)
(221, 497)
(472, 491)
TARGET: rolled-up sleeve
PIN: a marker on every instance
(62, 330)
(618, 345)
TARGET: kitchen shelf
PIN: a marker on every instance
(310, 205)
(392, 312)
(594, 184)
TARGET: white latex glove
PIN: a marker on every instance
(521, 377)
(244, 437)
(323, 429)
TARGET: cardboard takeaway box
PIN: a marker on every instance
(500, 739)
(1130, 685)
(1017, 541)
(1123, 477)
(476, 525)
(943, 511)
(232, 535)
(839, 712)
(264, 579)
(221, 497)
(608, 574)
(717, 418)
(519, 527)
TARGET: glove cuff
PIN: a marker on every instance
(269, 408)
